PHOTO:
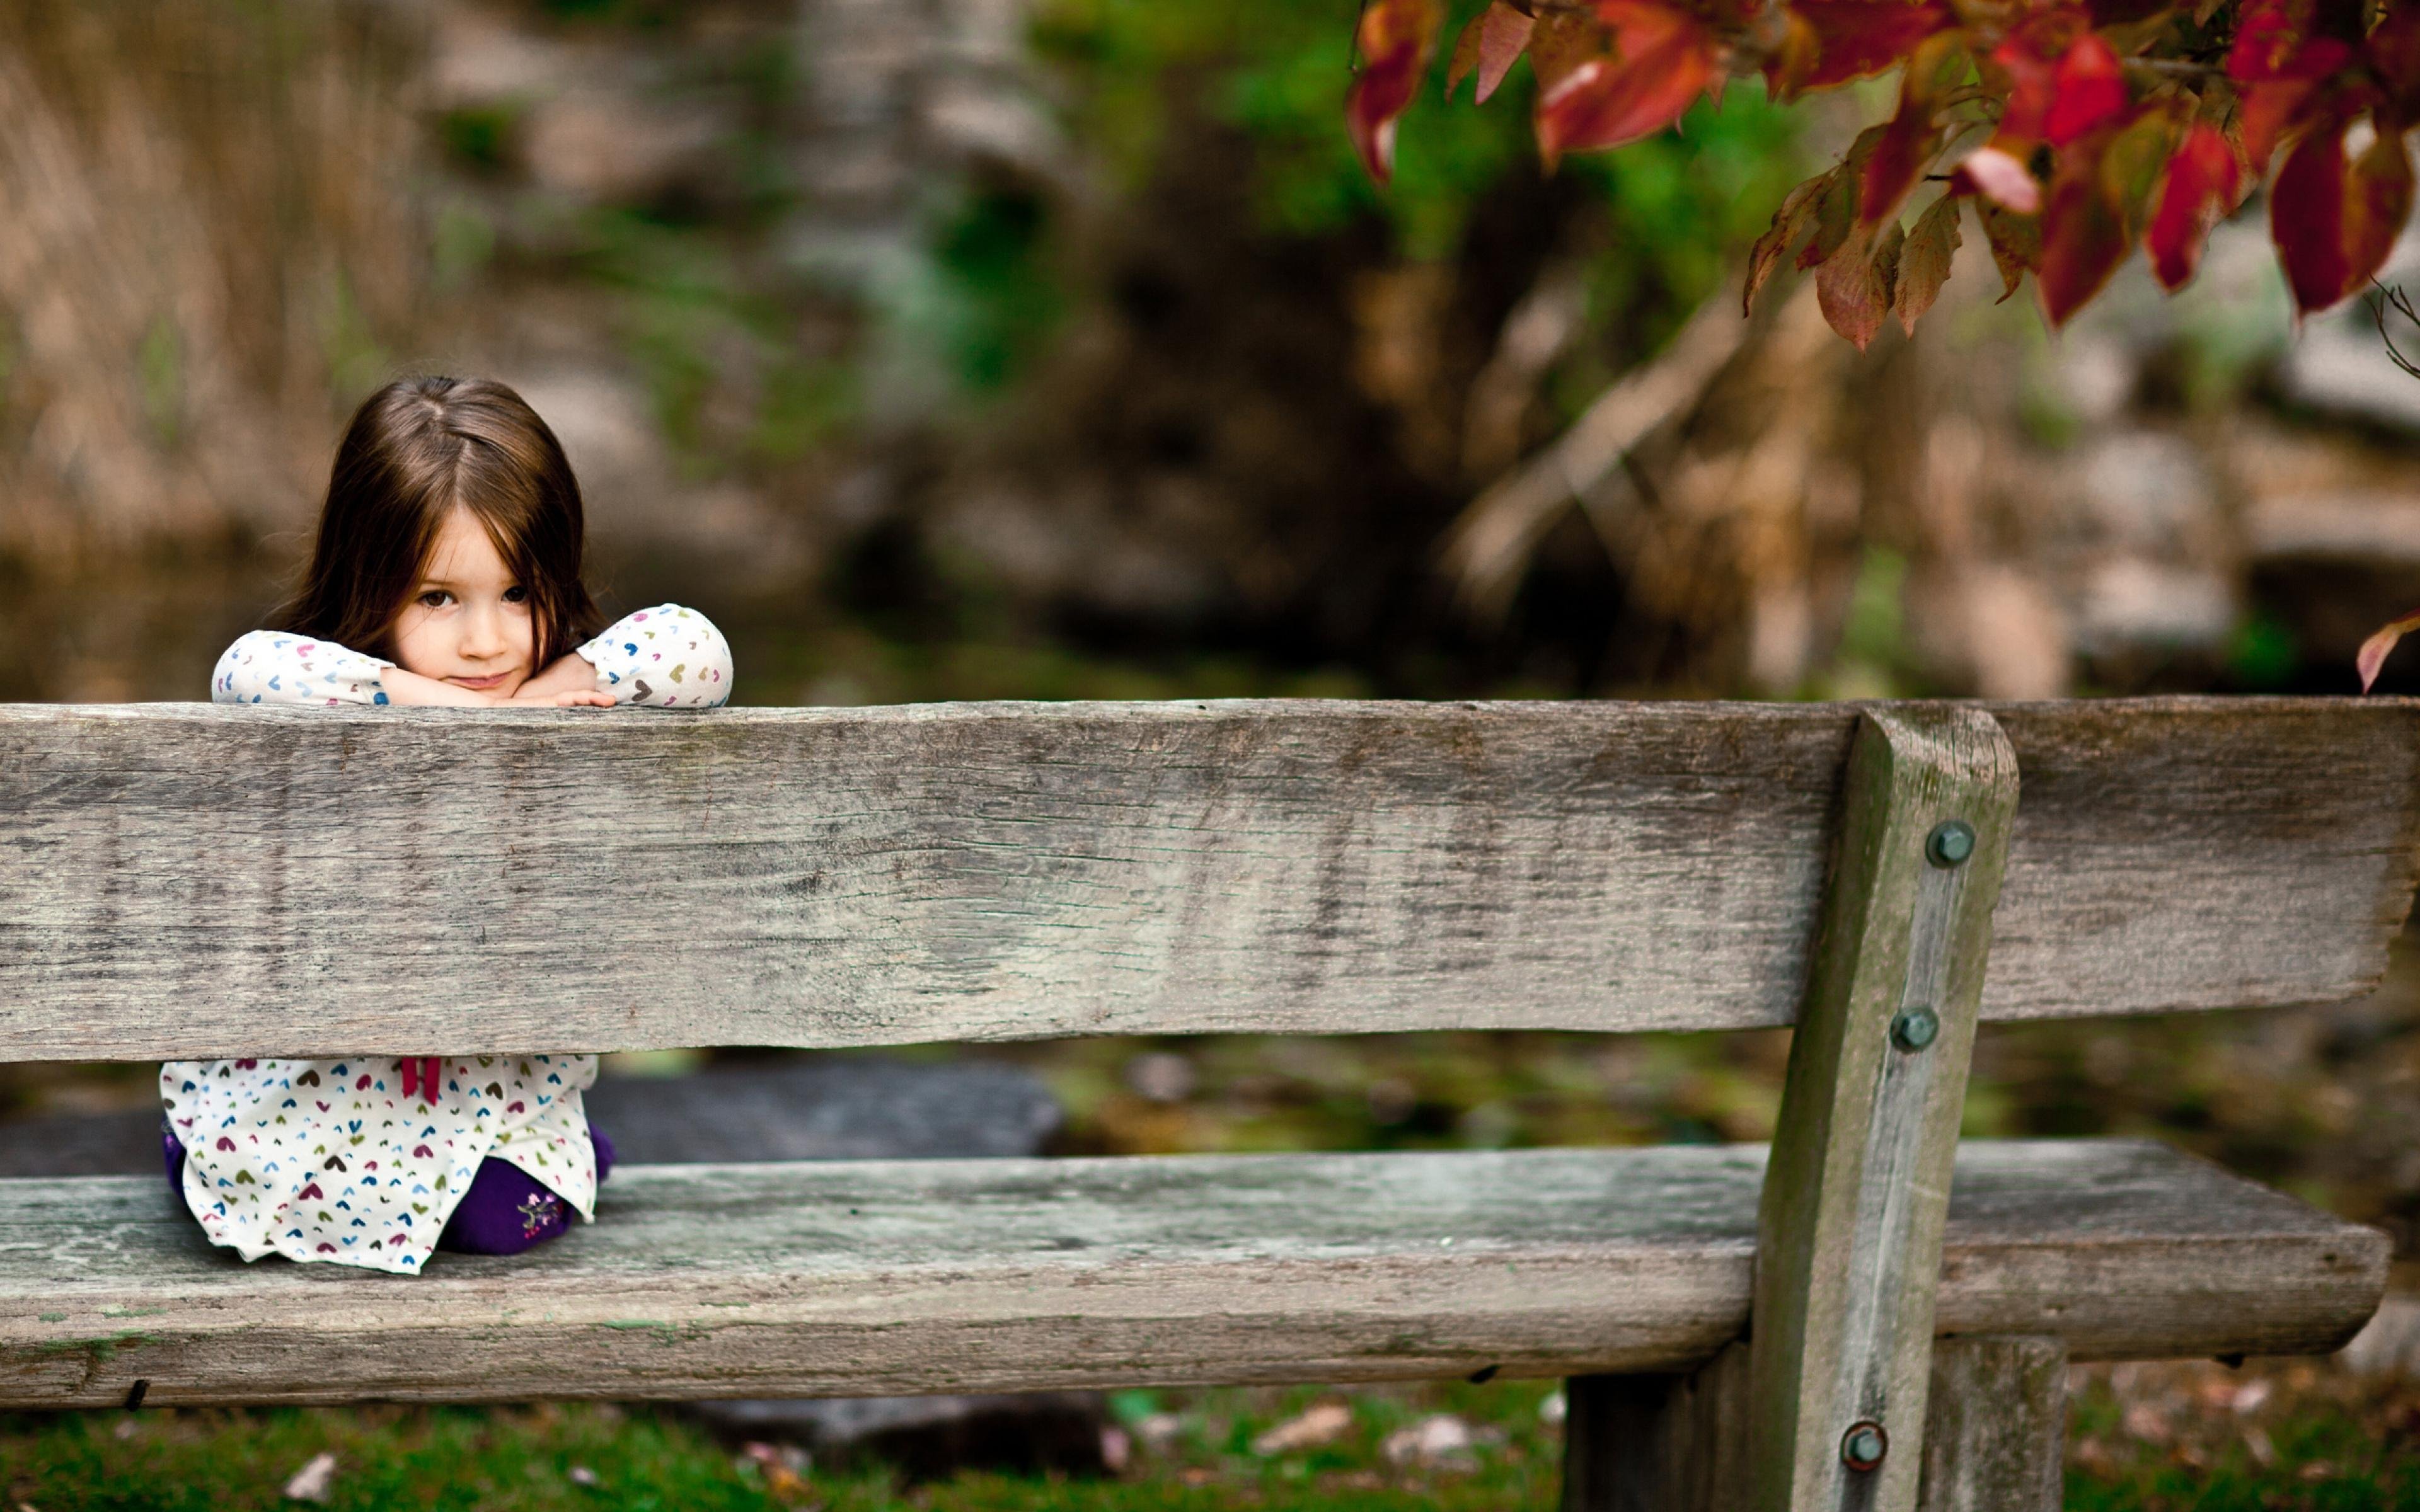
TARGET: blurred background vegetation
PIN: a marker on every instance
(1057, 348)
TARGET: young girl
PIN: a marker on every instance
(446, 572)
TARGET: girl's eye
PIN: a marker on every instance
(435, 597)
(516, 595)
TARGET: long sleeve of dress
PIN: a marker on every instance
(664, 658)
(278, 667)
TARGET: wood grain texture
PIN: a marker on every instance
(189, 881)
(1849, 1243)
(1995, 1438)
(858, 1278)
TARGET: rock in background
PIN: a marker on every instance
(850, 1108)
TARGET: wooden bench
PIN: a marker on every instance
(1839, 1325)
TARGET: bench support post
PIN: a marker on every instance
(1657, 1444)
(1849, 1231)
(1993, 1437)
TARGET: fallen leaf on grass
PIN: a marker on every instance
(2146, 1422)
(1441, 1440)
(783, 1467)
(1321, 1424)
(310, 1483)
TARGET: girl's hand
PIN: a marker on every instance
(576, 697)
(569, 673)
(409, 689)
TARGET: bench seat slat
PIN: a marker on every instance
(879, 1277)
(182, 881)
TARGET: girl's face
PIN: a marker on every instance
(469, 622)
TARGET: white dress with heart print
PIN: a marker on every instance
(328, 1160)
(331, 1160)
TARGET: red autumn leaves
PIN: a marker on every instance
(1625, 73)
(2077, 129)
(2204, 179)
(1394, 41)
(1609, 72)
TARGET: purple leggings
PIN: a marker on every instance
(506, 1211)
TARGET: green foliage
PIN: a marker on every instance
(1871, 660)
(357, 360)
(630, 13)
(479, 137)
(998, 298)
(1670, 210)
(804, 402)
(159, 368)
(463, 241)
(697, 331)
(2263, 652)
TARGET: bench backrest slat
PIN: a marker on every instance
(184, 881)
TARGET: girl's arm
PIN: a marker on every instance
(279, 667)
(664, 658)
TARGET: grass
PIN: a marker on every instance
(2202, 1438)
(1192, 1452)
(2192, 1438)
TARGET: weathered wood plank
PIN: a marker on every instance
(1997, 1434)
(1848, 1246)
(884, 1277)
(186, 881)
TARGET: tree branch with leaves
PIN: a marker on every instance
(2077, 131)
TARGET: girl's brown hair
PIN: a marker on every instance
(415, 451)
